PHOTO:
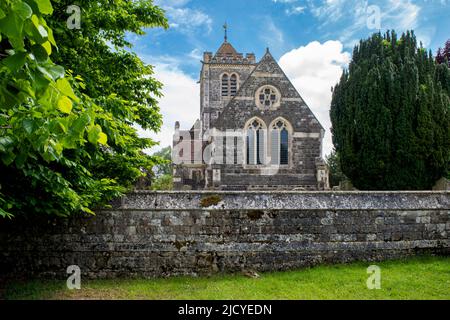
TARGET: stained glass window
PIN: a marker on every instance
(279, 144)
(256, 143)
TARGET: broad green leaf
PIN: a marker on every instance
(3, 119)
(79, 125)
(63, 85)
(65, 105)
(94, 134)
(15, 62)
(39, 52)
(50, 154)
(35, 20)
(58, 148)
(69, 142)
(21, 158)
(103, 138)
(28, 125)
(35, 30)
(17, 44)
(49, 98)
(45, 7)
(51, 37)
(48, 47)
(11, 25)
(2, 14)
(8, 158)
(5, 143)
(64, 123)
(51, 70)
(22, 9)
(56, 127)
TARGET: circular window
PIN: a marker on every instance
(267, 97)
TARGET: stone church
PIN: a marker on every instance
(255, 131)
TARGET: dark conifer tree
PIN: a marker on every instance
(391, 115)
(446, 50)
(440, 56)
(443, 55)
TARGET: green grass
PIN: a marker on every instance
(415, 278)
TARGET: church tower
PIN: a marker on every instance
(221, 76)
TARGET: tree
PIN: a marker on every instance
(440, 56)
(163, 178)
(116, 79)
(163, 182)
(336, 175)
(446, 51)
(391, 115)
(443, 55)
(67, 143)
(165, 164)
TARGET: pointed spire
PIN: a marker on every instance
(225, 27)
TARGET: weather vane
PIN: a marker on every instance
(225, 27)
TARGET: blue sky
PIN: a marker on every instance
(312, 39)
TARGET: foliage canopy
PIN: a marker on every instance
(69, 100)
(391, 115)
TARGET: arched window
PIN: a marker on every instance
(233, 85)
(279, 143)
(229, 85)
(225, 85)
(256, 141)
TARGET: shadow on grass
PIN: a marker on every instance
(423, 277)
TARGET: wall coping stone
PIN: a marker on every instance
(284, 200)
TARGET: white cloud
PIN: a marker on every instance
(186, 20)
(400, 15)
(292, 7)
(196, 54)
(179, 103)
(295, 10)
(314, 69)
(329, 11)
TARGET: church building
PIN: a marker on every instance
(255, 131)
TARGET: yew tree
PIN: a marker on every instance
(390, 114)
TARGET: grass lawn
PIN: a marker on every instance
(415, 278)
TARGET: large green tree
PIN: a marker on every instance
(116, 79)
(163, 177)
(336, 175)
(69, 101)
(391, 115)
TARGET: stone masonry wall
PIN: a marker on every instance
(149, 234)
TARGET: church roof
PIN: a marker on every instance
(272, 73)
(226, 49)
(228, 54)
